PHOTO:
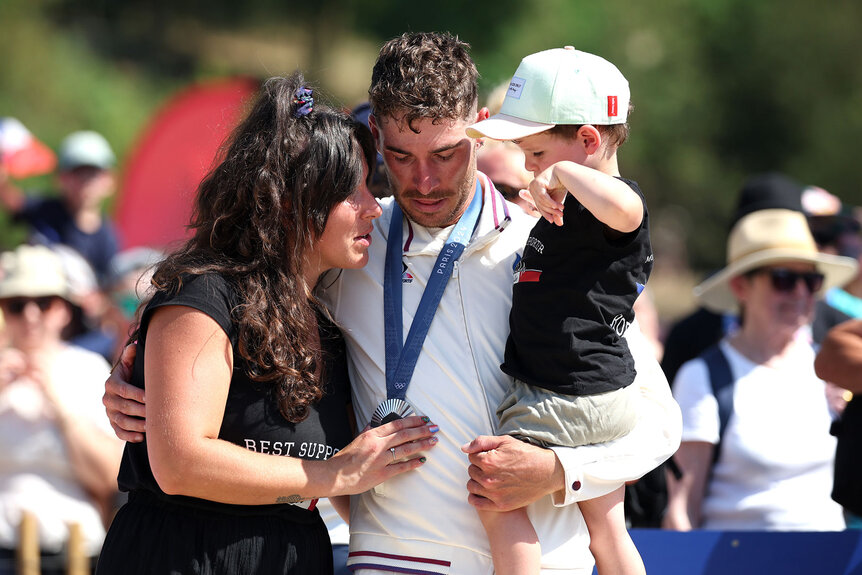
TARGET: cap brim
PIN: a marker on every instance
(26, 288)
(67, 165)
(505, 127)
(715, 293)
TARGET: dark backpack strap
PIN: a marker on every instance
(721, 381)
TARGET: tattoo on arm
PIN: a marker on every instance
(289, 499)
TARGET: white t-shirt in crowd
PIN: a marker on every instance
(774, 471)
(35, 472)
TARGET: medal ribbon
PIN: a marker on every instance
(401, 354)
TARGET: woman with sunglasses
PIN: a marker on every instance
(58, 455)
(768, 466)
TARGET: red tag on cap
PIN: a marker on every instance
(612, 106)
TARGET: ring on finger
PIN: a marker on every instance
(392, 451)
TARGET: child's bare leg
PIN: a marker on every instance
(610, 543)
(514, 543)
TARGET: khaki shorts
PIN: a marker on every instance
(546, 418)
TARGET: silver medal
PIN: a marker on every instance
(390, 410)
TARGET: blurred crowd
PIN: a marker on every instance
(761, 427)
(68, 296)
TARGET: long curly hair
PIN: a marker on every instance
(424, 75)
(255, 216)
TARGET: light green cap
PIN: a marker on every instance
(86, 148)
(562, 86)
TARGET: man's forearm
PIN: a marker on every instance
(595, 470)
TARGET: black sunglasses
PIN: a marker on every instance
(784, 280)
(17, 305)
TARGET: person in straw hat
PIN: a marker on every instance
(749, 473)
(58, 455)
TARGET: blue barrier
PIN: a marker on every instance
(749, 552)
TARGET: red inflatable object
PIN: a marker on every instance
(171, 158)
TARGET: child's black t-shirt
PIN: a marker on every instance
(572, 302)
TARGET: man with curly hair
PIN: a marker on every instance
(423, 96)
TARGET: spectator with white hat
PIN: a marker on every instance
(85, 178)
(58, 455)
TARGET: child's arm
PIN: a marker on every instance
(609, 199)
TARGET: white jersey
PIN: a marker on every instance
(774, 471)
(421, 520)
(35, 472)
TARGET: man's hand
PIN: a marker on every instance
(124, 402)
(506, 473)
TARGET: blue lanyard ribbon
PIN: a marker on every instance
(401, 355)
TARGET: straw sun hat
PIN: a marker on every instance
(767, 237)
(31, 271)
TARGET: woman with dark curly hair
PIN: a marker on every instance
(245, 375)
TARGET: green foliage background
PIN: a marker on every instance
(722, 88)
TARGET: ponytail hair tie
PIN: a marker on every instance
(304, 102)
